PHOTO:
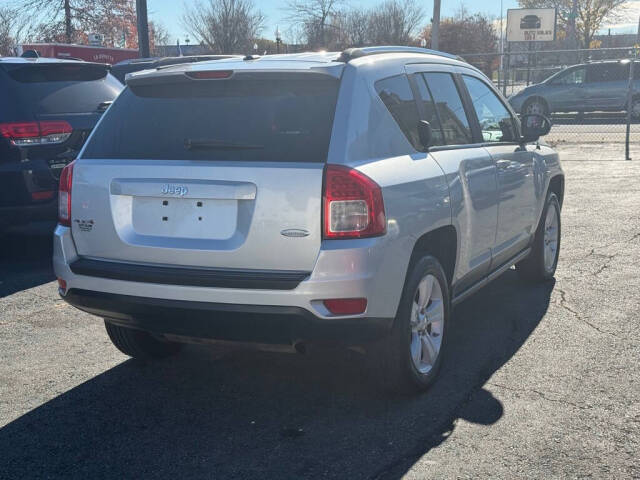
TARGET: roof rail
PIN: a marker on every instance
(351, 53)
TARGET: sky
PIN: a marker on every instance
(169, 13)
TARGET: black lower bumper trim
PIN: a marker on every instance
(190, 276)
(223, 321)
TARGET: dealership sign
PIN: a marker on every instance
(531, 25)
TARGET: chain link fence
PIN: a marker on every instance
(592, 96)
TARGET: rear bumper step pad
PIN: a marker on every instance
(190, 276)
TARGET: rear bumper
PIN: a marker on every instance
(242, 323)
(371, 268)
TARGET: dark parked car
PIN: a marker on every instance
(120, 70)
(48, 108)
(592, 87)
(530, 22)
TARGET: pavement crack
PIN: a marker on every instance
(563, 304)
(542, 395)
(609, 257)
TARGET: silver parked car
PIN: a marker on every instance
(592, 87)
(289, 199)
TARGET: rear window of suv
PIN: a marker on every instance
(279, 120)
(52, 88)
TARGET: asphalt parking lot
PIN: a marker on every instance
(539, 382)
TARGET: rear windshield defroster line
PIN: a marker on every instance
(284, 120)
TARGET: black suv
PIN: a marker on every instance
(48, 107)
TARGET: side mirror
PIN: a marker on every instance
(425, 133)
(534, 126)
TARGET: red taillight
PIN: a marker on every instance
(353, 205)
(64, 195)
(210, 74)
(43, 195)
(57, 127)
(17, 130)
(346, 306)
(62, 285)
(36, 133)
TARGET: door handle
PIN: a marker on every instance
(502, 164)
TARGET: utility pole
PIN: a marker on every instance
(435, 24)
(572, 30)
(67, 21)
(143, 28)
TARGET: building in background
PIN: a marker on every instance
(80, 52)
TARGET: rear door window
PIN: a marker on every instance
(455, 124)
(284, 120)
(607, 72)
(396, 94)
(55, 88)
(429, 112)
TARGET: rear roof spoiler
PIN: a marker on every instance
(352, 53)
(164, 77)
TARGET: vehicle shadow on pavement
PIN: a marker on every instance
(251, 414)
(25, 261)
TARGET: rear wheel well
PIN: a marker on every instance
(556, 185)
(442, 243)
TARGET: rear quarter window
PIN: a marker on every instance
(395, 92)
(230, 120)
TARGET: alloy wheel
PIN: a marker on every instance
(551, 232)
(427, 324)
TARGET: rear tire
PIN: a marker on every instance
(140, 344)
(410, 358)
(541, 263)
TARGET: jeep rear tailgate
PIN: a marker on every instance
(210, 173)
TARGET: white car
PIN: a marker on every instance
(347, 197)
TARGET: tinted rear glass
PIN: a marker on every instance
(53, 89)
(56, 72)
(231, 120)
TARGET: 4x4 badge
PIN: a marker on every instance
(84, 225)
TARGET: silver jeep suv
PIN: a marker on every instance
(350, 198)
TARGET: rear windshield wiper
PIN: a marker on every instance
(193, 144)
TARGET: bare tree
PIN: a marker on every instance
(394, 22)
(71, 20)
(590, 14)
(225, 26)
(314, 19)
(355, 27)
(158, 33)
(12, 27)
